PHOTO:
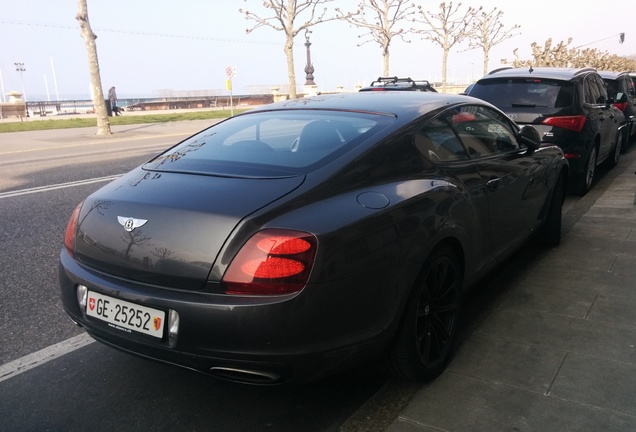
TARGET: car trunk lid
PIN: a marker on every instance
(166, 228)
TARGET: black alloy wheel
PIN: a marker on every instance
(612, 161)
(425, 341)
(583, 183)
(551, 233)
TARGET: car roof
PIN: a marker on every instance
(407, 104)
(612, 74)
(560, 73)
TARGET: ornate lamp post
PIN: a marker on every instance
(309, 68)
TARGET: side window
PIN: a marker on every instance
(438, 143)
(595, 90)
(602, 89)
(482, 131)
(591, 90)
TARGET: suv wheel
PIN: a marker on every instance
(612, 161)
(583, 183)
(629, 138)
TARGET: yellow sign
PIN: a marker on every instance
(228, 84)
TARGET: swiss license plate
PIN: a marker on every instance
(124, 315)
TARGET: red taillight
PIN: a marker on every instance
(573, 123)
(621, 105)
(272, 262)
(71, 226)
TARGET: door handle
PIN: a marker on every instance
(493, 183)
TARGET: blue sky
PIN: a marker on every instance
(146, 46)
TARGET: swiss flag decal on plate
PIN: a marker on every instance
(91, 303)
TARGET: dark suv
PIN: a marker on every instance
(621, 90)
(569, 107)
(399, 84)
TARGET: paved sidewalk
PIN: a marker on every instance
(557, 350)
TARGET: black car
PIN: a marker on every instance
(399, 84)
(569, 107)
(621, 90)
(301, 238)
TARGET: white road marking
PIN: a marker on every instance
(56, 186)
(38, 358)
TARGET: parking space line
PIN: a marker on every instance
(38, 358)
(57, 186)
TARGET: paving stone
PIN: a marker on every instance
(463, 404)
(597, 339)
(501, 361)
(613, 309)
(604, 384)
(549, 296)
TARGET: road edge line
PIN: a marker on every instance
(16, 367)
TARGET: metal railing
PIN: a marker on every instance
(69, 107)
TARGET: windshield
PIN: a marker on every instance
(525, 92)
(276, 143)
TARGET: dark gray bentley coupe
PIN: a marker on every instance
(301, 238)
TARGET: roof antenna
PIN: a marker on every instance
(531, 70)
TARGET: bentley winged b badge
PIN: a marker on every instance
(129, 223)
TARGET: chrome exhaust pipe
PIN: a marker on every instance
(245, 375)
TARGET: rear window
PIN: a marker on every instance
(276, 143)
(525, 93)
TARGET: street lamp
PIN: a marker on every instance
(309, 68)
(19, 66)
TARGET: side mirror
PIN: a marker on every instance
(529, 137)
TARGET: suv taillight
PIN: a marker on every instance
(573, 123)
(621, 105)
(272, 262)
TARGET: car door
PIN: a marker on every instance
(512, 176)
(600, 113)
(437, 141)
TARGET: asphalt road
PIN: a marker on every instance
(94, 387)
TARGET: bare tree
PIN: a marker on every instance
(284, 16)
(562, 55)
(488, 31)
(446, 28)
(103, 125)
(382, 26)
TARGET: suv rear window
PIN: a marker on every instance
(525, 92)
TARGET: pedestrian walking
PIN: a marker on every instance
(112, 97)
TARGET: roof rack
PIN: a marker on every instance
(499, 69)
(585, 70)
(396, 80)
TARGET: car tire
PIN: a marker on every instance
(613, 158)
(583, 182)
(629, 137)
(425, 340)
(551, 232)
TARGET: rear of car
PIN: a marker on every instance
(569, 107)
(294, 240)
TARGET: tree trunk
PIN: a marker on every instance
(291, 73)
(385, 56)
(444, 65)
(103, 125)
(486, 57)
(485, 62)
